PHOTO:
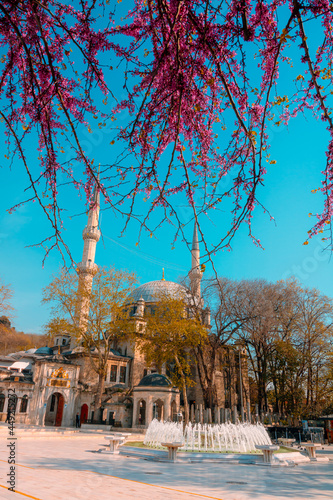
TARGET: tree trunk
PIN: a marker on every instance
(98, 399)
(186, 406)
(206, 376)
(183, 379)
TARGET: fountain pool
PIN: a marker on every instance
(239, 438)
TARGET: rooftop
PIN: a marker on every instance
(153, 290)
(155, 380)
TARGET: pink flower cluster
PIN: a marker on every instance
(200, 83)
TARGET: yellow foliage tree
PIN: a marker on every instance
(99, 323)
(173, 330)
(6, 293)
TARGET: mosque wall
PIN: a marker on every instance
(24, 393)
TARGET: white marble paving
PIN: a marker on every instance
(68, 469)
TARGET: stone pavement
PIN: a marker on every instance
(68, 468)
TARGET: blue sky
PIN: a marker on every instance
(300, 154)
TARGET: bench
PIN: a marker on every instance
(286, 441)
(311, 449)
(117, 439)
(172, 450)
(267, 450)
(115, 442)
(123, 434)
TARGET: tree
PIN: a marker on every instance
(6, 294)
(14, 341)
(288, 334)
(259, 301)
(96, 328)
(284, 369)
(298, 366)
(226, 319)
(315, 329)
(171, 334)
(192, 69)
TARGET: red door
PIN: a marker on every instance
(84, 414)
(60, 409)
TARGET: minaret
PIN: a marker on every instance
(91, 235)
(87, 268)
(195, 273)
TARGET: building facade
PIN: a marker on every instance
(54, 384)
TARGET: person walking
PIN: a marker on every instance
(8, 415)
(77, 420)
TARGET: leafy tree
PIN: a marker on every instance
(172, 332)
(14, 341)
(97, 325)
(193, 71)
(5, 322)
(288, 336)
(284, 368)
(315, 329)
(299, 364)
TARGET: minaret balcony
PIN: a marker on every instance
(91, 233)
(195, 273)
(87, 267)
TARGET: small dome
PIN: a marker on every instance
(44, 351)
(155, 380)
(151, 291)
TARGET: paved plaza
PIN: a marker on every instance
(53, 468)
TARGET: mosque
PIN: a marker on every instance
(54, 384)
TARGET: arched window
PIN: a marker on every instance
(24, 404)
(158, 410)
(173, 411)
(122, 376)
(2, 402)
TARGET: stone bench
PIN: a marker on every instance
(286, 441)
(115, 442)
(121, 434)
(267, 450)
(172, 450)
(311, 449)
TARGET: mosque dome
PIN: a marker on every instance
(151, 291)
(44, 351)
(155, 380)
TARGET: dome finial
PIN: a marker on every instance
(163, 279)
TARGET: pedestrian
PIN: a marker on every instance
(77, 420)
(8, 415)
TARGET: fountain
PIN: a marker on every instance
(221, 438)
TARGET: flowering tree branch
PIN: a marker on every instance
(197, 98)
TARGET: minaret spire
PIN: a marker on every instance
(87, 268)
(195, 273)
(195, 248)
(91, 234)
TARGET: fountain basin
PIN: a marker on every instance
(220, 438)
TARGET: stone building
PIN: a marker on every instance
(54, 384)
